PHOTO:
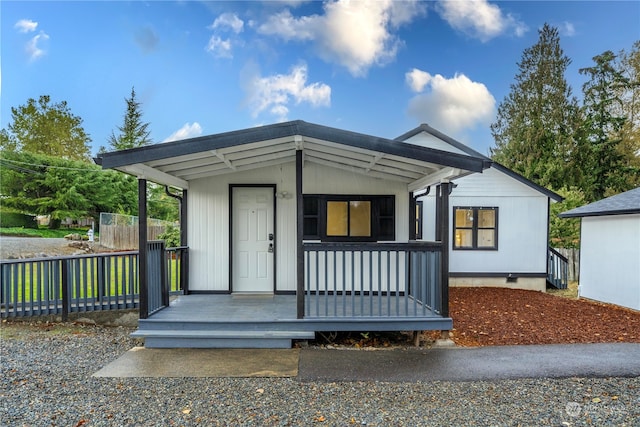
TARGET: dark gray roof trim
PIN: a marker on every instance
(470, 151)
(282, 130)
(620, 204)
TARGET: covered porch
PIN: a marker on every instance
(321, 283)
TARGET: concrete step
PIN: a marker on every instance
(220, 339)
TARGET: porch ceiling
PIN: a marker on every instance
(179, 162)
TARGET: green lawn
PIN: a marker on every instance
(34, 281)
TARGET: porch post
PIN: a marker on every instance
(184, 268)
(443, 226)
(299, 237)
(142, 247)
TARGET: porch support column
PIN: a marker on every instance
(299, 237)
(142, 247)
(445, 189)
(184, 268)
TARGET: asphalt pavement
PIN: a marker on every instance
(398, 365)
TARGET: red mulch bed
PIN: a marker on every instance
(497, 316)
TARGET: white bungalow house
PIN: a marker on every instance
(499, 224)
(610, 249)
(294, 228)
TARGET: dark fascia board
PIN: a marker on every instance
(282, 130)
(570, 214)
(470, 151)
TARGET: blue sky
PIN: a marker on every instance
(380, 67)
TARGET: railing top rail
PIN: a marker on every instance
(558, 254)
(373, 246)
(177, 248)
(59, 258)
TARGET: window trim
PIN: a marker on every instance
(474, 229)
(376, 217)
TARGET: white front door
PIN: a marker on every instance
(252, 239)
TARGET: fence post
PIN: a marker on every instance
(66, 300)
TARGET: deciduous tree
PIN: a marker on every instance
(48, 128)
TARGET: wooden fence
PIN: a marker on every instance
(125, 237)
(573, 257)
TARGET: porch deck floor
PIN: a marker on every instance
(274, 308)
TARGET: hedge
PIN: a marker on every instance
(16, 219)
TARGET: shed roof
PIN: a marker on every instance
(620, 204)
(470, 151)
(178, 162)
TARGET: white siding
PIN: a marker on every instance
(208, 216)
(610, 259)
(427, 140)
(522, 224)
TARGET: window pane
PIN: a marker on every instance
(486, 218)
(387, 231)
(360, 219)
(486, 238)
(464, 239)
(385, 204)
(337, 218)
(464, 217)
(311, 227)
(310, 205)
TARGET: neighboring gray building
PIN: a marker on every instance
(610, 249)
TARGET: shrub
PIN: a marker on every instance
(16, 219)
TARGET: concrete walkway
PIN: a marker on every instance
(404, 365)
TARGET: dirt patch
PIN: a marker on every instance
(497, 316)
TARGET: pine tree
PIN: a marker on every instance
(602, 158)
(535, 123)
(133, 133)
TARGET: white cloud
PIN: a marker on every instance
(450, 105)
(26, 26)
(228, 20)
(189, 130)
(417, 79)
(567, 29)
(274, 93)
(354, 34)
(34, 48)
(219, 48)
(479, 19)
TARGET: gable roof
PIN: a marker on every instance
(178, 162)
(620, 204)
(468, 150)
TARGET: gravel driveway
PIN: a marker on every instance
(45, 379)
(34, 247)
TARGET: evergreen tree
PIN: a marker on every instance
(133, 133)
(601, 156)
(46, 128)
(534, 129)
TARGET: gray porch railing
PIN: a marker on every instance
(557, 270)
(371, 279)
(63, 285)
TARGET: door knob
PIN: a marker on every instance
(270, 247)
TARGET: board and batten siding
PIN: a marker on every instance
(522, 224)
(208, 217)
(610, 259)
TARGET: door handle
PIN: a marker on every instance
(270, 247)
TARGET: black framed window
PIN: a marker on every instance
(475, 228)
(349, 217)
